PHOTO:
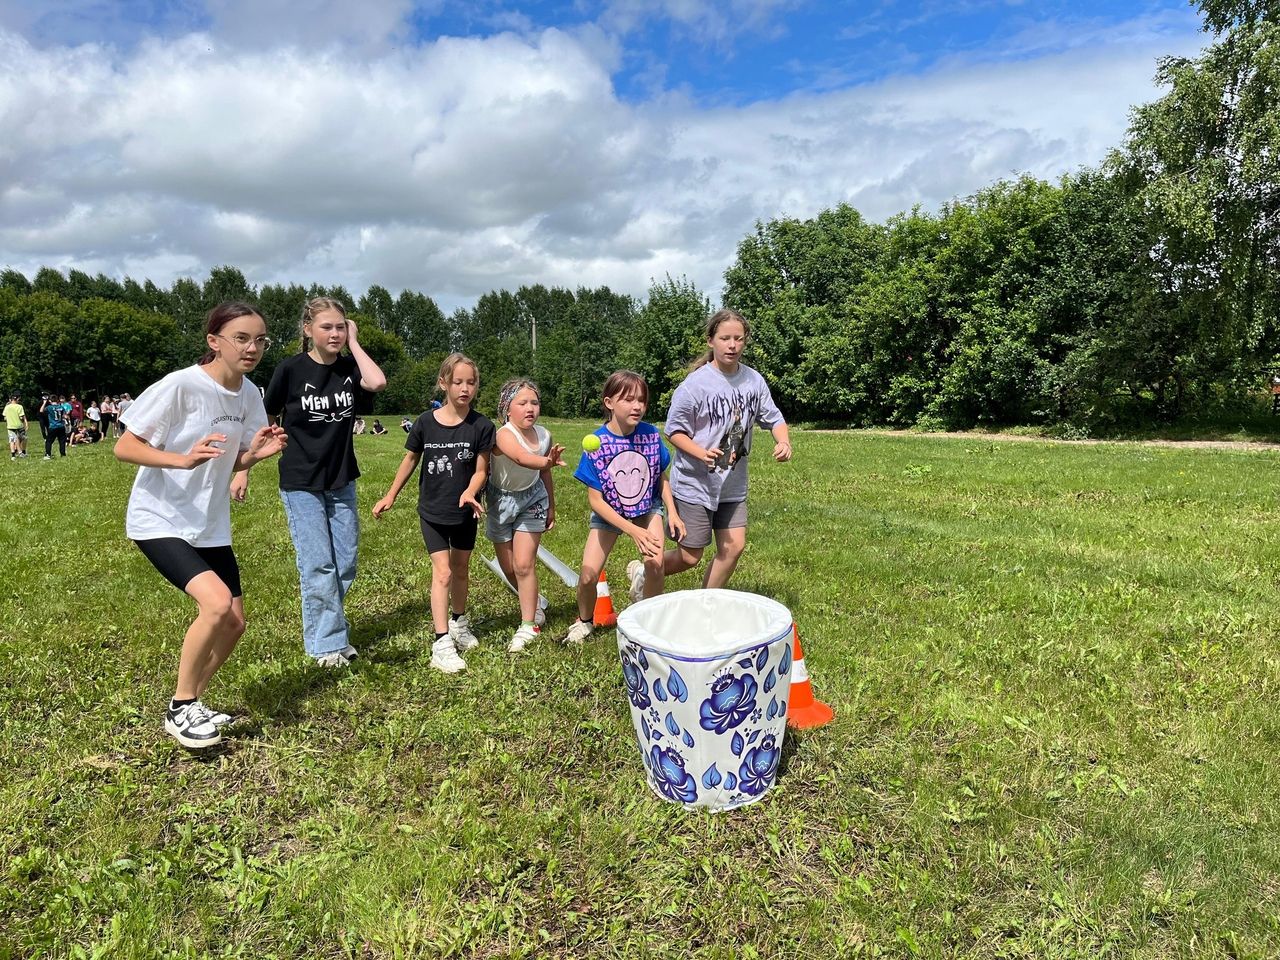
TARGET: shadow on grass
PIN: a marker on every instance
(278, 697)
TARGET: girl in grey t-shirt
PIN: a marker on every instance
(713, 415)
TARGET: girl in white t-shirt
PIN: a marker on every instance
(522, 498)
(189, 432)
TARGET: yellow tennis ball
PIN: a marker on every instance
(591, 443)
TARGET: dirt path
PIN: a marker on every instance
(1255, 445)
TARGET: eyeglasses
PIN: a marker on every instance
(242, 342)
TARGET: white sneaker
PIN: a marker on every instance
(460, 633)
(444, 657)
(525, 635)
(540, 615)
(192, 726)
(578, 632)
(337, 658)
(635, 573)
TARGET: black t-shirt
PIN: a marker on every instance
(319, 403)
(448, 463)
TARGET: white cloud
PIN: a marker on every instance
(464, 165)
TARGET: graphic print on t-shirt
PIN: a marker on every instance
(321, 407)
(733, 445)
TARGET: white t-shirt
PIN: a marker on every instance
(173, 414)
(94, 414)
(509, 475)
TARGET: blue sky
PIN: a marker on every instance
(459, 147)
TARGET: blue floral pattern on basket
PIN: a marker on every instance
(758, 769)
(670, 776)
(732, 700)
(637, 686)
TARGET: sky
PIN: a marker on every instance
(460, 147)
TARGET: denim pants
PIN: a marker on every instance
(325, 528)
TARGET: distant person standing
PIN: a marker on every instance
(15, 418)
(55, 411)
(94, 416)
(77, 412)
(122, 405)
(107, 408)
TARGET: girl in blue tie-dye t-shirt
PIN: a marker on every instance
(624, 487)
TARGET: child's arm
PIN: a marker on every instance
(686, 445)
(551, 496)
(674, 524)
(267, 442)
(511, 448)
(403, 473)
(469, 495)
(133, 449)
(372, 379)
(781, 442)
(649, 544)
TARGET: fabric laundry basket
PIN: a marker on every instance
(708, 676)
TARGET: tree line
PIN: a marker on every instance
(1144, 288)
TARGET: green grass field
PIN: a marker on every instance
(1054, 668)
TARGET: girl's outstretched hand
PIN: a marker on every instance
(676, 526)
(555, 456)
(782, 451)
(204, 450)
(267, 442)
(469, 500)
(382, 506)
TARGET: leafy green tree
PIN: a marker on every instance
(666, 337)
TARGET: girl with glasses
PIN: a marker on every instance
(189, 432)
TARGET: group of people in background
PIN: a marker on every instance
(65, 421)
(196, 433)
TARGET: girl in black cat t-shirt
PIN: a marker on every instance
(315, 396)
(453, 443)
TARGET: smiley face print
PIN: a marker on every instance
(631, 475)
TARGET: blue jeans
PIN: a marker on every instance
(325, 528)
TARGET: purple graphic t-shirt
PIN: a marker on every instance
(626, 469)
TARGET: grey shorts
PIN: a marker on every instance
(523, 510)
(598, 522)
(699, 521)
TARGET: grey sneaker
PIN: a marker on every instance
(523, 637)
(578, 632)
(444, 657)
(350, 652)
(192, 726)
(540, 615)
(460, 632)
(635, 573)
(333, 660)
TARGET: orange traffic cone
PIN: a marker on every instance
(804, 710)
(604, 615)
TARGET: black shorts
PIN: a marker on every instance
(448, 536)
(180, 562)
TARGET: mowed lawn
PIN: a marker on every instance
(1056, 672)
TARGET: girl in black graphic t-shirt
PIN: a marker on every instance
(314, 395)
(453, 443)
